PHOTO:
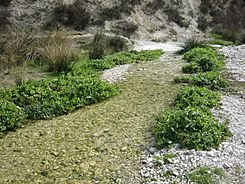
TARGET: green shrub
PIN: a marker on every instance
(11, 116)
(197, 97)
(203, 64)
(196, 53)
(191, 68)
(190, 127)
(202, 60)
(182, 79)
(48, 98)
(120, 58)
(211, 80)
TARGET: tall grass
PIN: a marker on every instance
(52, 50)
(57, 53)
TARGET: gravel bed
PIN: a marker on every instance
(115, 74)
(230, 156)
(235, 61)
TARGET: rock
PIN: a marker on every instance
(92, 163)
(152, 150)
(124, 148)
(226, 166)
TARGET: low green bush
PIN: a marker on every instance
(195, 53)
(47, 98)
(125, 58)
(11, 116)
(211, 80)
(203, 60)
(191, 128)
(182, 79)
(203, 64)
(197, 97)
(191, 68)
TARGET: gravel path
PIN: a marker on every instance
(231, 154)
(115, 74)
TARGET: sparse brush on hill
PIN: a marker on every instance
(73, 15)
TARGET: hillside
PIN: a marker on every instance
(157, 20)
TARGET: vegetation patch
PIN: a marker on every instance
(197, 97)
(190, 123)
(47, 98)
(191, 128)
(206, 175)
(124, 58)
(11, 116)
(203, 60)
(219, 40)
(164, 159)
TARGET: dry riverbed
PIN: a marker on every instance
(102, 143)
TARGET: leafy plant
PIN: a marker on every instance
(194, 54)
(164, 159)
(11, 116)
(191, 68)
(190, 127)
(48, 98)
(211, 80)
(197, 97)
(120, 58)
(202, 60)
(206, 175)
(182, 79)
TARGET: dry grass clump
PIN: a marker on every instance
(57, 53)
(52, 50)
